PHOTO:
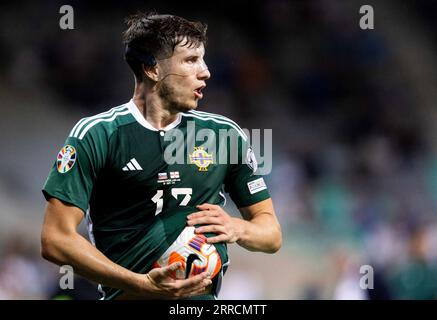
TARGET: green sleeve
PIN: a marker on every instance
(242, 183)
(75, 171)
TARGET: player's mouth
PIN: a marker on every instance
(198, 92)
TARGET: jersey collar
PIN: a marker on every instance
(141, 120)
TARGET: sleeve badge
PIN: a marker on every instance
(66, 159)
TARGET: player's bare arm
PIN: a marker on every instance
(62, 244)
(258, 231)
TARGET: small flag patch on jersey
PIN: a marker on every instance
(66, 159)
(256, 185)
(132, 165)
(165, 179)
(162, 176)
(174, 174)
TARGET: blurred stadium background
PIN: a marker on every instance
(353, 114)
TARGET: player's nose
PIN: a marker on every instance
(204, 74)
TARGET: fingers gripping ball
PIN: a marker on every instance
(194, 253)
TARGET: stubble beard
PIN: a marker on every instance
(170, 99)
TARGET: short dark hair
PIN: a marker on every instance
(151, 35)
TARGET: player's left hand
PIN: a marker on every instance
(214, 219)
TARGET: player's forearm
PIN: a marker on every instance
(262, 233)
(89, 262)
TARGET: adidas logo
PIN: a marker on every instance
(132, 165)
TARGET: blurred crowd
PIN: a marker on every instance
(354, 169)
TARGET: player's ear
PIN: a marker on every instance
(151, 72)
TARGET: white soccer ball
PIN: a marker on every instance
(194, 253)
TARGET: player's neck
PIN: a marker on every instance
(152, 109)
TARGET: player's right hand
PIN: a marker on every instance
(162, 285)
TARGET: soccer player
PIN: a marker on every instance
(116, 170)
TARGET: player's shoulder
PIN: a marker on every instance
(215, 121)
(102, 124)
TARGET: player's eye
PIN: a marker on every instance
(192, 59)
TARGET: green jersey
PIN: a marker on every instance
(137, 184)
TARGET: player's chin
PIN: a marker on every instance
(192, 105)
(185, 107)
